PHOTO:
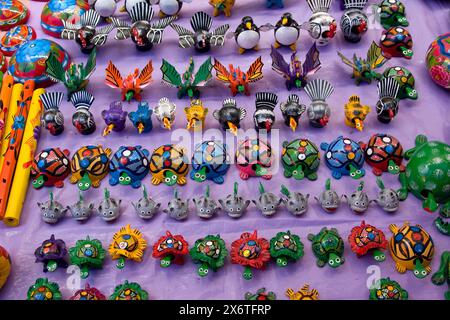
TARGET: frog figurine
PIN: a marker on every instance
(234, 204)
(260, 295)
(358, 201)
(177, 208)
(443, 274)
(146, 207)
(51, 211)
(81, 211)
(329, 199)
(109, 208)
(52, 253)
(296, 203)
(205, 206)
(268, 203)
(387, 198)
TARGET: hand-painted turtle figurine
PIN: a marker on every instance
(89, 166)
(168, 164)
(248, 34)
(397, 42)
(274, 4)
(230, 116)
(109, 208)
(177, 208)
(383, 153)
(286, 247)
(427, 175)
(250, 252)
(13, 13)
(319, 111)
(321, 25)
(296, 203)
(443, 274)
(210, 252)
(264, 115)
(405, 80)
(142, 118)
(387, 289)
(52, 118)
(165, 113)
(145, 207)
(43, 289)
(128, 166)
(260, 295)
(304, 293)
(114, 117)
(222, 6)
(87, 254)
(50, 167)
(358, 201)
(387, 198)
(52, 253)
(195, 115)
(234, 204)
(5, 266)
(268, 203)
(354, 22)
(411, 248)
(329, 199)
(254, 159)
(170, 249)
(355, 113)
(300, 159)
(328, 247)
(83, 120)
(129, 291)
(88, 293)
(366, 238)
(392, 14)
(292, 110)
(80, 210)
(14, 38)
(205, 206)
(286, 32)
(51, 211)
(127, 244)
(202, 39)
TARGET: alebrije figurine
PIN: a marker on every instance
(354, 22)
(210, 252)
(304, 293)
(292, 110)
(105, 8)
(234, 204)
(129, 291)
(127, 244)
(52, 118)
(170, 249)
(50, 168)
(248, 34)
(274, 3)
(344, 157)
(52, 253)
(88, 293)
(437, 60)
(329, 199)
(131, 86)
(355, 113)
(168, 7)
(189, 82)
(85, 32)
(205, 206)
(51, 211)
(268, 203)
(387, 198)
(364, 69)
(87, 254)
(358, 201)
(321, 25)
(387, 289)
(254, 159)
(15, 37)
(392, 14)
(169, 164)
(441, 225)
(264, 115)
(13, 13)
(89, 166)
(237, 80)
(142, 118)
(295, 72)
(286, 32)
(366, 238)
(143, 31)
(195, 115)
(318, 111)
(328, 247)
(129, 166)
(411, 248)
(5, 266)
(261, 294)
(109, 208)
(405, 80)
(285, 248)
(146, 207)
(230, 116)
(55, 11)
(76, 77)
(250, 252)
(202, 39)
(83, 120)
(177, 208)
(114, 117)
(383, 153)
(443, 274)
(222, 6)
(165, 113)
(296, 203)
(43, 289)
(80, 210)
(210, 161)
(387, 104)
(300, 159)
(397, 42)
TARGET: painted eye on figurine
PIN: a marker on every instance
(238, 209)
(265, 209)
(167, 180)
(202, 210)
(331, 262)
(352, 174)
(377, 258)
(416, 272)
(208, 211)
(424, 273)
(272, 207)
(231, 209)
(121, 179)
(356, 203)
(174, 178)
(127, 179)
(80, 185)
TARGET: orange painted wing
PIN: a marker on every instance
(113, 76)
(145, 77)
(222, 73)
(254, 73)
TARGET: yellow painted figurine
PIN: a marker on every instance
(355, 113)
(127, 244)
(222, 6)
(303, 294)
(5, 266)
(196, 115)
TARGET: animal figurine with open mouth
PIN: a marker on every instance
(329, 199)
(177, 208)
(230, 116)
(358, 201)
(222, 6)
(355, 113)
(234, 204)
(80, 210)
(319, 111)
(83, 120)
(51, 211)
(165, 113)
(387, 104)
(264, 116)
(321, 25)
(146, 207)
(268, 203)
(354, 21)
(52, 118)
(387, 198)
(195, 115)
(205, 206)
(248, 34)
(109, 208)
(142, 118)
(292, 110)
(296, 203)
(114, 117)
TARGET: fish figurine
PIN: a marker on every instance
(268, 203)
(355, 113)
(388, 103)
(81, 211)
(234, 204)
(109, 208)
(387, 198)
(115, 118)
(296, 203)
(142, 118)
(319, 111)
(358, 201)
(146, 207)
(292, 110)
(205, 206)
(52, 119)
(165, 113)
(177, 208)
(264, 116)
(83, 120)
(329, 199)
(230, 116)
(51, 211)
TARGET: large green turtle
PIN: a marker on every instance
(300, 158)
(285, 247)
(328, 247)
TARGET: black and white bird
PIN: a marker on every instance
(264, 116)
(287, 32)
(292, 110)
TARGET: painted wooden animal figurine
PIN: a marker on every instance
(51, 211)
(105, 8)
(442, 276)
(81, 211)
(165, 113)
(114, 117)
(319, 111)
(264, 116)
(83, 120)
(387, 198)
(146, 207)
(292, 110)
(321, 25)
(354, 21)
(286, 32)
(268, 203)
(52, 119)
(109, 208)
(142, 118)
(177, 208)
(358, 201)
(248, 34)
(329, 199)
(355, 113)
(274, 4)
(392, 14)
(295, 202)
(387, 104)
(195, 115)
(205, 206)
(230, 116)
(222, 6)
(234, 204)
(168, 7)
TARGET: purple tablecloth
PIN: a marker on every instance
(428, 115)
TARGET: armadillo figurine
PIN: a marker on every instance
(387, 198)
(268, 203)
(165, 113)
(358, 201)
(234, 204)
(296, 203)
(81, 211)
(292, 110)
(264, 116)
(142, 118)
(177, 208)
(82, 119)
(205, 206)
(146, 207)
(329, 199)
(387, 104)
(319, 111)
(52, 118)
(109, 208)
(51, 211)
(114, 118)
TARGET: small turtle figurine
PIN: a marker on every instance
(50, 168)
(254, 159)
(405, 80)
(129, 166)
(328, 247)
(300, 159)
(292, 110)
(87, 254)
(392, 14)
(165, 113)
(388, 103)
(127, 244)
(43, 289)
(230, 116)
(142, 118)
(411, 248)
(321, 25)
(296, 203)
(250, 252)
(210, 161)
(286, 32)
(170, 249)
(83, 120)
(114, 118)
(268, 203)
(169, 164)
(264, 115)
(195, 115)
(397, 42)
(177, 208)
(234, 204)
(222, 6)
(443, 274)
(52, 253)
(366, 238)
(383, 153)
(129, 291)
(210, 252)
(387, 289)
(88, 293)
(358, 201)
(51, 211)
(329, 199)
(205, 206)
(355, 113)
(109, 208)
(286, 247)
(146, 207)
(304, 293)
(354, 22)
(81, 211)
(52, 119)
(387, 198)
(260, 295)
(318, 111)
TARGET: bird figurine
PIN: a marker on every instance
(114, 118)
(355, 113)
(230, 116)
(82, 119)
(52, 118)
(248, 34)
(133, 83)
(387, 104)
(165, 113)
(105, 8)
(321, 26)
(142, 118)
(354, 21)
(292, 110)
(319, 111)
(222, 6)
(287, 32)
(201, 39)
(195, 115)
(264, 116)
(169, 7)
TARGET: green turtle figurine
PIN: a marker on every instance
(328, 247)
(130, 291)
(387, 289)
(406, 81)
(300, 159)
(87, 254)
(443, 274)
(261, 294)
(286, 247)
(210, 252)
(43, 289)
